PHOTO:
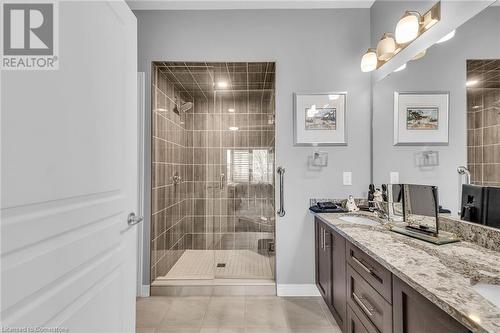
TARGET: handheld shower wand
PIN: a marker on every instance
(462, 170)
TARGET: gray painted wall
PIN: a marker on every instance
(442, 69)
(315, 50)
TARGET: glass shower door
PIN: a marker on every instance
(244, 214)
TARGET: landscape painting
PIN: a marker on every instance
(422, 118)
(321, 118)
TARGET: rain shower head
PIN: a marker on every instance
(186, 107)
(183, 107)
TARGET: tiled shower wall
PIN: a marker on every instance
(228, 134)
(237, 211)
(483, 122)
(171, 209)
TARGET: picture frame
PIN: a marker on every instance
(421, 118)
(320, 119)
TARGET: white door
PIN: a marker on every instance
(69, 178)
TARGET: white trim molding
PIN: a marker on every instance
(144, 291)
(141, 90)
(289, 290)
(245, 4)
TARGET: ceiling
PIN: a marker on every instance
(200, 79)
(245, 4)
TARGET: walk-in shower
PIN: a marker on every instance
(213, 214)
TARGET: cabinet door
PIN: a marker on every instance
(323, 261)
(339, 285)
(413, 313)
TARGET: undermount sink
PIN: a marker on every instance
(359, 220)
(489, 291)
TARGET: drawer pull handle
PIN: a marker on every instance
(366, 308)
(367, 269)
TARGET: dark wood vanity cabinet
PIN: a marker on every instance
(331, 269)
(365, 297)
(413, 313)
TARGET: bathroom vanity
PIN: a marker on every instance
(374, 280)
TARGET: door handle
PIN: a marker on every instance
(281, 173)
(133, 220)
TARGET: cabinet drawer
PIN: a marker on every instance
(366, 303)
(374, 273)
(355, 325)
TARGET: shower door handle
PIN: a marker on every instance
(221, 181)
(281, 175)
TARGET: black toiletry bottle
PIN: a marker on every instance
(371, 190)
(384, 193)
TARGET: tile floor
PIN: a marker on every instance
(201, 264)
(234, 314)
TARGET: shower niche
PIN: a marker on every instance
(212, 184)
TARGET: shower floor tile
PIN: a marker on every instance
(237, 264)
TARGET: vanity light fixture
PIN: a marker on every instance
(400, 68)
(408, 27)
(386, 47)
(411, 26)
(447, 37)
(431, 17)
(369, 61)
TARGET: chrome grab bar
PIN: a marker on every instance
(281, 173)
(366, 308)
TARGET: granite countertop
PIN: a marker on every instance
(443, 274)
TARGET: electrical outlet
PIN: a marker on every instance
(347, 178)
(394, 176)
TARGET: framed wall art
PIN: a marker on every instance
(421, 118)
(320, 119)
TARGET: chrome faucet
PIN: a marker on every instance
(380, 209)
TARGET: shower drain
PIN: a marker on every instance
(220, 264)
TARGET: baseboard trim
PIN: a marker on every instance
(144, 290)
(297, 290)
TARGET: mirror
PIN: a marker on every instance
(442, 111)
(421, 208)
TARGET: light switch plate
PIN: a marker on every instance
(394, 175)
(347, 178)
